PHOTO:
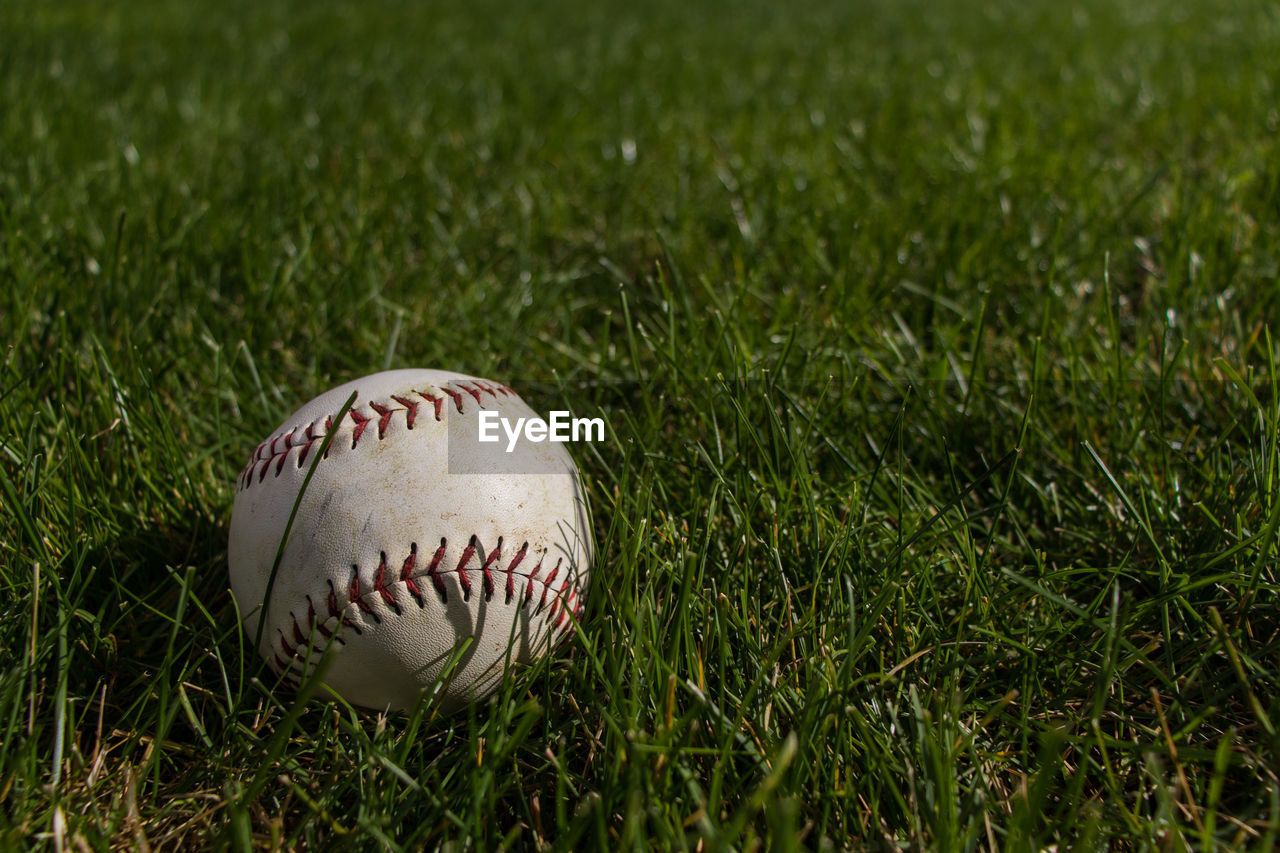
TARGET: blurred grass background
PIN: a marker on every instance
(935, 338)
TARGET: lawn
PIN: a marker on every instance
(940, 500)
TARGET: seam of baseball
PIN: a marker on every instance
(366, 600)
(271, 454)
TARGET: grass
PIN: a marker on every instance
(941, 500)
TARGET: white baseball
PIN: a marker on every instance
(410, 538)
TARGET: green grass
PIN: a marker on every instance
(937, 343)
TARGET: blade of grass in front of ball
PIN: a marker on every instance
(284, 537)
(275, 747)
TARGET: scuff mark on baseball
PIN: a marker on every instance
(411, 538)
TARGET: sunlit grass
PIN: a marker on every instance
(939, 506)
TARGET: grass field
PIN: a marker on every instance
(937, 344)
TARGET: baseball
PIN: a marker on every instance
(413, 544)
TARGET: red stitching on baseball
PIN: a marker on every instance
(334, 610)
(546, 584)
(406, 573)
(361, 421)
(493, 389)
(528, 587)
(436, 402)
(410, 407)
(511, 570)
(573, 604)
(353, 593)
(565, 600)
(306, 447)
(467, 554)
(436, 581)
(384, 418)
(288, 437)
(380, 586)
(273, 452)
(488, 578)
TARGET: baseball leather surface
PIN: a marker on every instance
(411, 538)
